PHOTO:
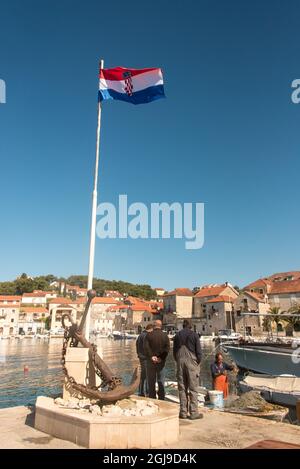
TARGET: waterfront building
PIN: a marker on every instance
(101, 314)
(35, 298)
(32, 319)
(76, 291)
(116, 295)
(178, 305)
(180, 301)
(159, 291)
(251, 302)
(9, 316)
(281, 289)
(10, 299)
(217, 314)
(213, 308)
(59, 306)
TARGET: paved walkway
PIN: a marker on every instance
(215, 430)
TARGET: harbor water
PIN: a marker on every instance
(31, 367)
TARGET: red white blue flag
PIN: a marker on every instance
(136, 86)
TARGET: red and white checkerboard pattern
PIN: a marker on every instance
(128, 86)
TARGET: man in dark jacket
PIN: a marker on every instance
(187, 353)
(143, 387)
(156, 347)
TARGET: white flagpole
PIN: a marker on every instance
(94, 213)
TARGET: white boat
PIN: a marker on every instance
(283, 390)
(269, 359)
(117, 335)
(228, 336)
(207, 338)
(130, 335)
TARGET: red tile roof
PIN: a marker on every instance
(63, 300)
(277, 283)
(210, 291)
(10, 298)
(262, 282)
(221, 299)
(180, 292)
(33, 309)
(104, 300)
(134, 299)
(283, 275)
(141, 308)
(287, 286)
(35, 295)
(9, 306)
(256, 296)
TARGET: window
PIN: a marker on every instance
(238, 313)
(261, 291)
(12, 320)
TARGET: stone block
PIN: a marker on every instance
(113, 432)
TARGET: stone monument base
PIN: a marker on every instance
(117, 432)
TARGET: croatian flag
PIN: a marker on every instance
(136, 86)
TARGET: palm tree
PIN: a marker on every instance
(267, 321)
(275, 316)
(292, 321)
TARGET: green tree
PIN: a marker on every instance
(294, 320)
(48, 323)
(275, 316)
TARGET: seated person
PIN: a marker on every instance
(219, 371)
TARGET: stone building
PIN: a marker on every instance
(9, 317)
(60, 306)
(178, 305)
(217, 314)
(32, 319)
(281, 289)
(102, 316)
(254, 303)
(213, 308)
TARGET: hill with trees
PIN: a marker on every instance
(26, 284)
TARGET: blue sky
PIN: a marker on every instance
(227, 135)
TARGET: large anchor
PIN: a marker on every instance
(111, 388)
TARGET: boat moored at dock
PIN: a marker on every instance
(271, 359)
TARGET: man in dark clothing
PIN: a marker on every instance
(187, 353)
(156, 347)
(143, 387)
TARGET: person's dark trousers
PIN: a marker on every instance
(143, 387)
(188, 371)
(155, 373)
